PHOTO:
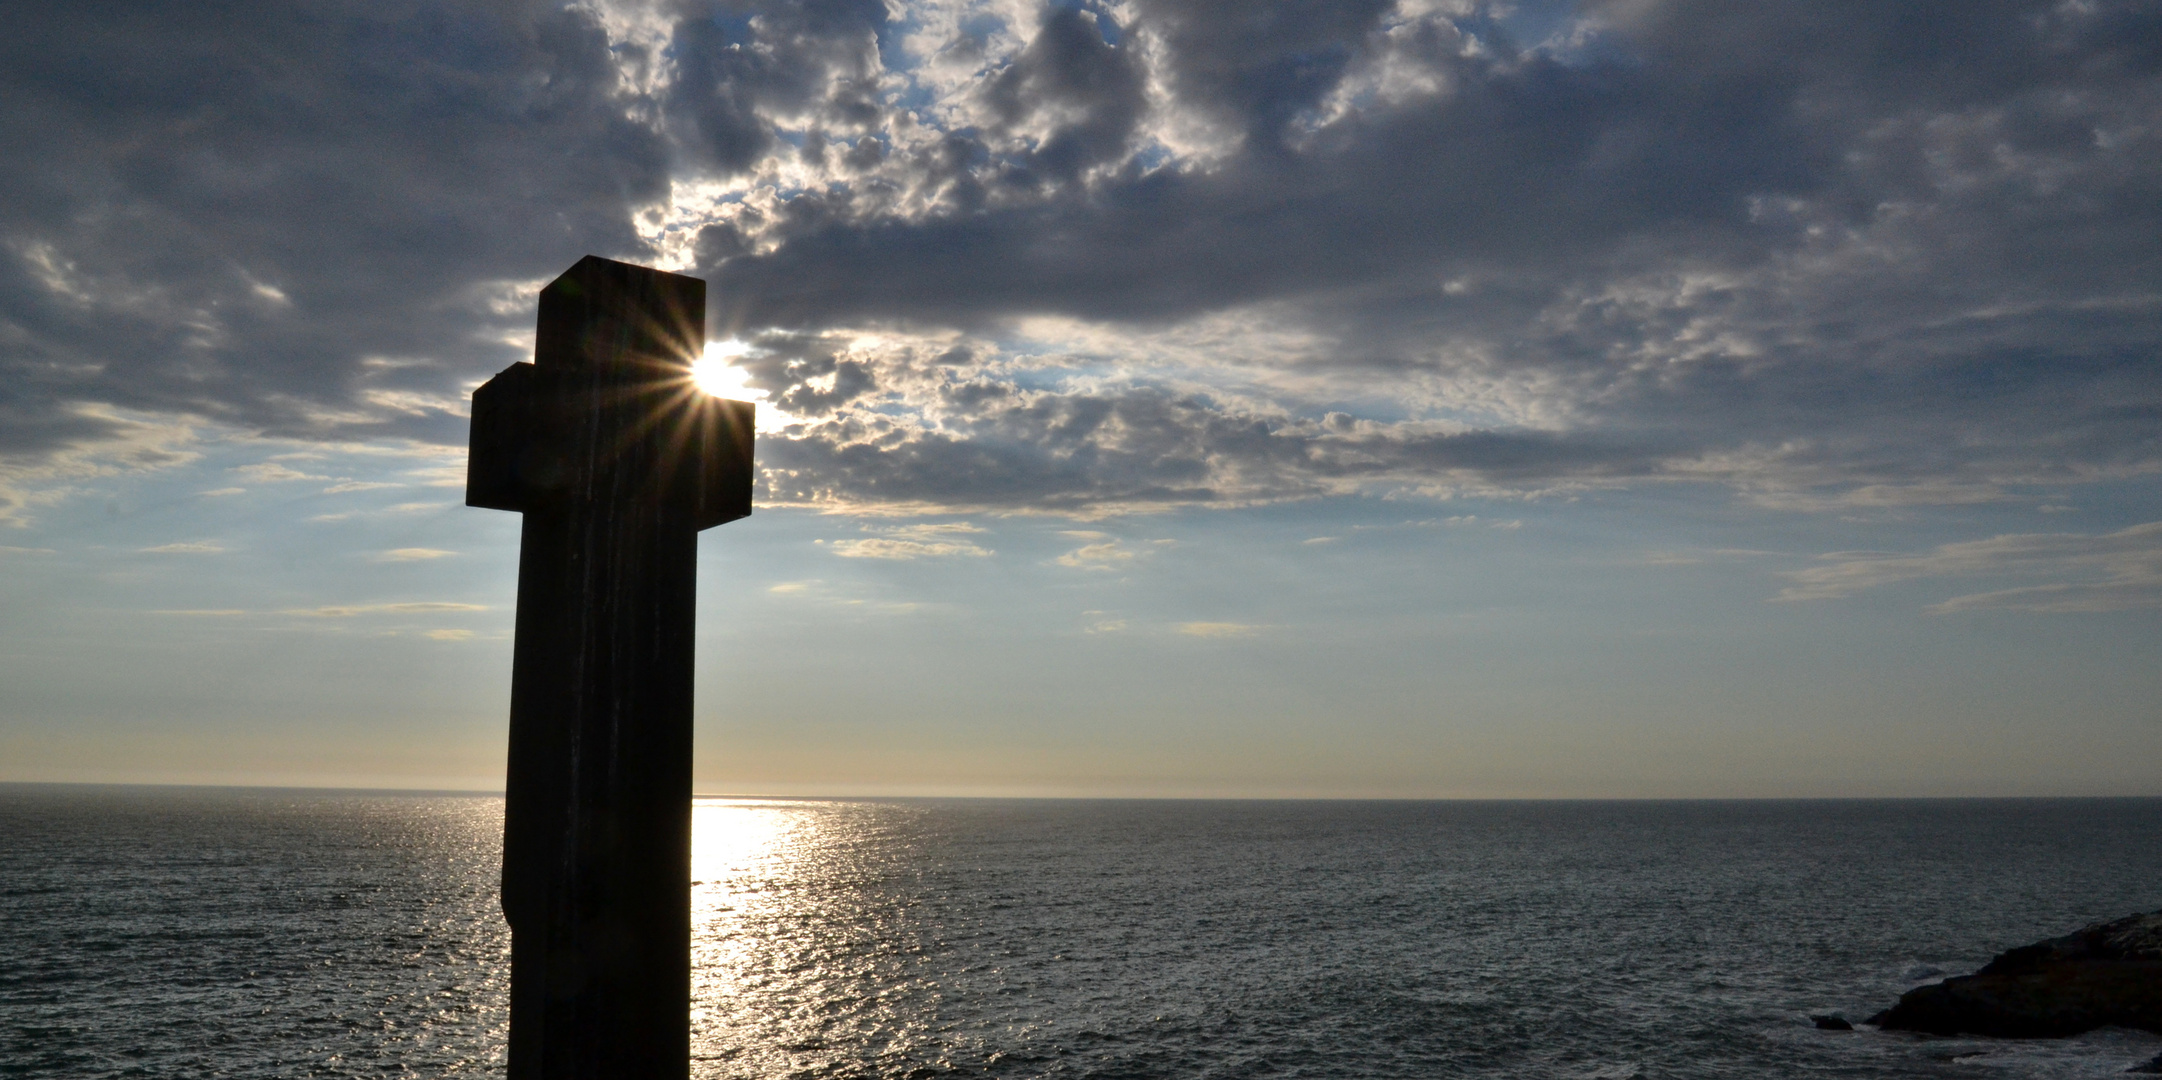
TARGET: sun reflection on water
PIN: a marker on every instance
(730, 836)
(744, 855)
(807, 947)
(734, 843)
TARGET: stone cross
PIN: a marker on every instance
(616, 460)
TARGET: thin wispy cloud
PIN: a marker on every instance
(271, 472)
(347, 611)
(1671, 558)
(881, 547)
(2078, 572)
(50, 456)
(1108, 555)
(1697, 557)
(412, 607)
(413, 554)
(931, 540)
(401, 508)
(187, 547)
(1474, 521)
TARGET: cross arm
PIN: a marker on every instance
(520, 439)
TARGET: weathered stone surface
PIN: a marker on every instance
(2106, 974)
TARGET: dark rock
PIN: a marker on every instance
(1834, 1022)
(2154, 1066)
(2108, 973)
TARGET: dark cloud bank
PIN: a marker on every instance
(1822, 252)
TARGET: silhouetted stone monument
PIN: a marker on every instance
(617, 461)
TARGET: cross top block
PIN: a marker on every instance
(605, 312)
(607, 410)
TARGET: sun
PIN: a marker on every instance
(715, 372)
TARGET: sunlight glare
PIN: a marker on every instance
(730, 836)
(715, 372)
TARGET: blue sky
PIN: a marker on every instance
(1414, 399)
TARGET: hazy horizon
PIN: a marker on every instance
(724, 797)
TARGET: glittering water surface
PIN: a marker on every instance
(208, 933)
(154, 932)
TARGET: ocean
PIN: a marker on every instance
(148, 932)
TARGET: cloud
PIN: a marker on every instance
(879, 547)
(192, 547)
(234, 232)
(1671, 558)
(816, 591)
(2110, 571)
(358, 485)
(1471, 520)
(1109, 555)
(1092, 260)
(46, 457)
(271, 472)
(931, 540)
(1698, 556)
(401, 508)
(413, 554)
(347, 611)
(413, 607)
(221, 492)
(1690, 297)
(1219, 629)
(1882, 496)
(449, 635)
(9, 550)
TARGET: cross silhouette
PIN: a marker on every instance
(616, 460)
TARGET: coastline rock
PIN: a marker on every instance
(2154, 1066)
(2109, 973)
(1833, 1022)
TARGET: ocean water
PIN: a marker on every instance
(253, 933)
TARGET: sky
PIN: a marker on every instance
(1347, 398)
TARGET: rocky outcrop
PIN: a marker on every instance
(2109, 973)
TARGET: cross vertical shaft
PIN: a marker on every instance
(617, 462)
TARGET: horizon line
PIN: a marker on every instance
(920, 796)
